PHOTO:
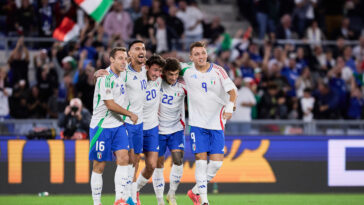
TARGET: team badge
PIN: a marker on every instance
(193, 147)
(99, 155)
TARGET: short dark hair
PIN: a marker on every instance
(155, 59)
(172, 64)
(197, 44)
(134, 42)
(307, 90)
(116, 49)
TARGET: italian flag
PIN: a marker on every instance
(95, 8)
(67, 30)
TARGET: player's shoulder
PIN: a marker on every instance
(219, 70)
(185, 67)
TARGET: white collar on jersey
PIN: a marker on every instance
(110, 71)
(132, 69)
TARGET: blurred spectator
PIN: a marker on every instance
(303, 82)
(46, 19)
(47, 80)
(191, 17)
(214, 29)
(85, 87)
(25, 23)
(291, 73)
(53, 105)
(156, 10)
(37, 107)
(272, 104)
(5, 92)
(349, 60)
(9, 9)
(143, 26)
(163, 35)
(175, 23)
(303, 15)
(326, 103)
(284, 30)
(134, 10)
(356, 104)
(18, 101)
(75, 121)
(314, 34)
(19, 62)
(358, 50)
(118, 22)
(244, 102)
(307, 105)
(345, 31)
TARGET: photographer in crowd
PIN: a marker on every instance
(74, 121)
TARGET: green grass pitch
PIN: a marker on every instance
(215, 199)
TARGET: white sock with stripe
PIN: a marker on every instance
(158, 183)
(212, 168)
(201, 179)
(96, 187)
(175, 178)
(121, 180)
(141, 181)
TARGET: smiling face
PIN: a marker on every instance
(154, 72)
(198, 56)
(171, 76)
(137, 53)
(119, 61)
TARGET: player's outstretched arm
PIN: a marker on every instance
(231, 105)
(111, 105)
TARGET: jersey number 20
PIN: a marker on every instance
(151, 94)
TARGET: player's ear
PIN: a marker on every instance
(190, 57)
(111, 59)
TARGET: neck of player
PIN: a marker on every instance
(204, 68)
(114, 70)
(136, 66)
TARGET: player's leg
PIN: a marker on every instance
(158, 177)
(96, 181)
(135, 132)
(120, 146)
(158, 181)
(216, 153)
(200, 141)
(151, 149)
(100, 151)
(176, 144)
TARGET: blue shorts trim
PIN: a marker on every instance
(205, 140)
(135, 133)
(151, 140)
(172, 141)
(109, 141)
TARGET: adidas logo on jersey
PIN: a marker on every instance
(135, 78)
(194, 76)
(161, 90)
(181, 145)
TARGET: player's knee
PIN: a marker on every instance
(215, 165)
(151, 166)
(98, 169)
(123, 160)
(178, 162)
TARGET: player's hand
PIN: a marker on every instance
(101, 72)
(227, 115)
(133, 117)
(67, 110)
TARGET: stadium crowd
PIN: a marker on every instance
(306, 80)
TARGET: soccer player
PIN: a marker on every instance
(171, 127)
(136, 85)
(211, 100)
(107, 130)
(154, 67)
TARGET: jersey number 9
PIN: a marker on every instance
(204, 86)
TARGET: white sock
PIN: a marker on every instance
(96, 187)
(121, 179)
(201, 179)
(175, 178)
(158, 183)
(141, 181)
(212, 168)
(131, 170)
(134, 192)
